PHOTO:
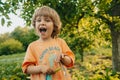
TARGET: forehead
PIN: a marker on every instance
(38, 17)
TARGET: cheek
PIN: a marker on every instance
(52, 27)
(52, 30)
(36, 25)
(36, 29)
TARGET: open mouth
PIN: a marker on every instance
(42, 29)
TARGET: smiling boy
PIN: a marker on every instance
(48, 57)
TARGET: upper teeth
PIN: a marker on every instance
(43, 29)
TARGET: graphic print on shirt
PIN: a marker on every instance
(49, 50)
(50, 56)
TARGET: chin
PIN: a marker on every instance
(43, 38)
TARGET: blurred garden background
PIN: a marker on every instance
(90, 27)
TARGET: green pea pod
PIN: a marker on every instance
(57, 69)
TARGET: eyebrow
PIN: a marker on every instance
(43, 16)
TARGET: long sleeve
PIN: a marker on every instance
(67, 51)
(29, 59)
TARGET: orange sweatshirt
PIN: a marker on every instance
(45, 53)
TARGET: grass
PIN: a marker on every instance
(96, 66)
(12, 58)
(10, 67)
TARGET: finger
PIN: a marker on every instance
(57, 58)
(50, 71)
(62, 56)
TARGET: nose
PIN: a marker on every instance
(42, 22)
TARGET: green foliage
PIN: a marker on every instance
(95, 67)
(90, 34)
(24, 35)
(10, 67)
(98, 34)
(11, 71)
(10, 46)
(4, 37)
(7, 7)
(2, 21)
(117, 23)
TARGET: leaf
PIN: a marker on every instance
(9, 23)
(2, 21)
(7, 17)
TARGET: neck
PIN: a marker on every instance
(45, 40)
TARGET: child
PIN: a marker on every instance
(47, 57)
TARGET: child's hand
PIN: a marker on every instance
(46, 69)
(64, 59)
(50, 71)
(59, 57)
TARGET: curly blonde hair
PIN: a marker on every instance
(49, 12)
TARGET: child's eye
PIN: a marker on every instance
(38, 20)
(48, 20)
